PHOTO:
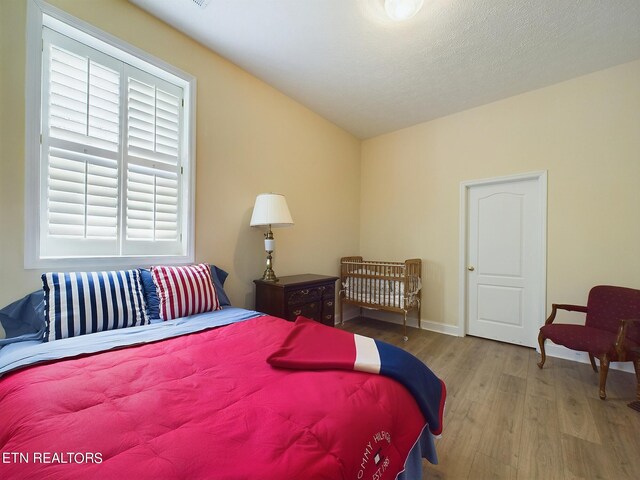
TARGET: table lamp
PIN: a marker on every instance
(270, 210)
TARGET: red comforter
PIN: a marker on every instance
(205, 405)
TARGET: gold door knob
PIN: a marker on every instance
(471, 268)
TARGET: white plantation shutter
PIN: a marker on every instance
(83, 99)
(111, 178)
(83, 195)
(152, 204)
(154, 123)
(81, 149)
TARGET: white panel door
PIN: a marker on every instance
(504, 259)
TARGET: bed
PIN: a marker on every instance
(195, 397)
(389, 286)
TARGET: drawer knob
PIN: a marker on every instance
(305, 292)
(330, 304)
(328, 317)
(297, 312)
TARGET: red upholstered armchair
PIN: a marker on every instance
(611, 331)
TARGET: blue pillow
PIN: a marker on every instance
(150, 294)
(23, 320)
(218, 276)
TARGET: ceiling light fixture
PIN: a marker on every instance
(402, 9)
(201, 3)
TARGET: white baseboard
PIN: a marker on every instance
(440, 328)
(558, 351)
(350, 312)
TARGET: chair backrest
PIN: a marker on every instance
(607, 305)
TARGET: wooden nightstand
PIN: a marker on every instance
(312, 296)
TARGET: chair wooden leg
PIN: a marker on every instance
(604, 370)
(636, 365)
(593, 363)
(541, 339)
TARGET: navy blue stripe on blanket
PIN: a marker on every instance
(428, 390)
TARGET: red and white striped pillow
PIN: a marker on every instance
(184, 291)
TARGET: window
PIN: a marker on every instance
(113, 157)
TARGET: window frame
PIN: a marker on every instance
(41, 14)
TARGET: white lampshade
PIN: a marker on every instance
(402, 9)
(271, 209)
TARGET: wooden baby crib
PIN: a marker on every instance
(390, 286)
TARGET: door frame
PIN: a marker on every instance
(541, 178)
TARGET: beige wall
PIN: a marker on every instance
(250, 139)
(585, 132)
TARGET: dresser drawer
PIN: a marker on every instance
(328, 312)
(310, 310)
(328, 291)
(303, 295)
(328, 305)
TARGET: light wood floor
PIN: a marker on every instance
(505, 418)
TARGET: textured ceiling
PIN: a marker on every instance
(370, 75)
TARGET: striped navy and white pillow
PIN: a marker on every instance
(78, 303)
(185, 290)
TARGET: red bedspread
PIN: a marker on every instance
(205, 405)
